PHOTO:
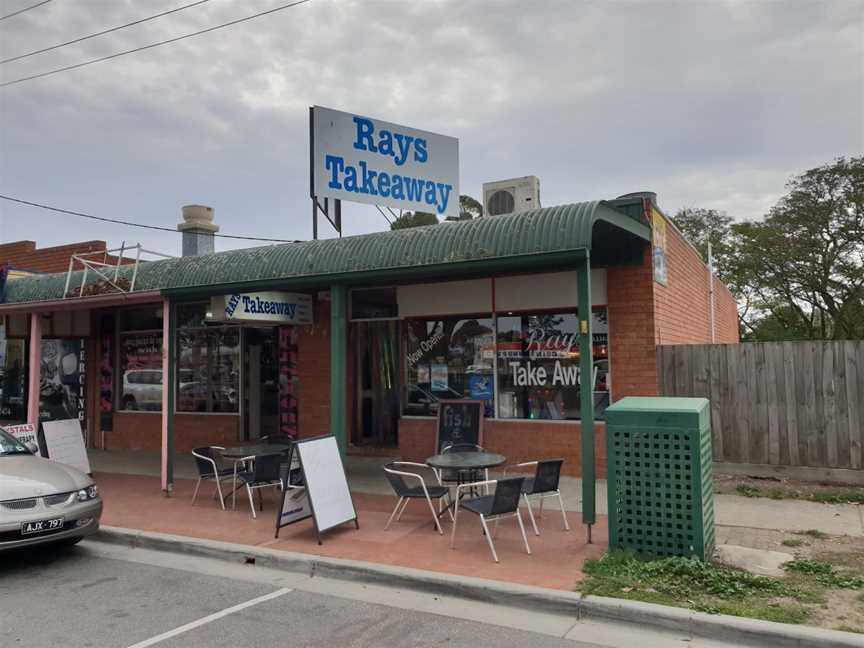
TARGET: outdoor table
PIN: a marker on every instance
(239, 453)
(465, 463)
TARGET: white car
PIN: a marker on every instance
(42, 501)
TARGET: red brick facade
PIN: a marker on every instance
(143, 431)
(23, 255)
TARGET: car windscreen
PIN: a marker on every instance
(11, 445)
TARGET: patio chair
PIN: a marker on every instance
(265, 473)
(503, 502)
(277, 438)
(543, 484)
(208, 462)
(406, 493)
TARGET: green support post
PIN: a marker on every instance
(338, 365)
(586, 391)
(172, 386)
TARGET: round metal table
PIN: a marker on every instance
(466, 461)
(238, 453)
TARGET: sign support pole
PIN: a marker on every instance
(338, 366)
(586, 391)
(34, 374)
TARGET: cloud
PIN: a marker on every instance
(708, 104)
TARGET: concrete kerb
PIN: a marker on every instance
(692, 624)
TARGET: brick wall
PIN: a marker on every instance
(140, 431)
(23, 255)
(517, 440)
(682, 309)
(313, 368)
(632, 356)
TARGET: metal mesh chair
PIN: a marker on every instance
(406, 493)
(503, 502)
(543, 484)
(265, 473)
(208, 461)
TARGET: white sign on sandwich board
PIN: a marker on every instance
(64, 442)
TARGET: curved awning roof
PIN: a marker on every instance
(541, 238)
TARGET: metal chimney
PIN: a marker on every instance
(198, 229)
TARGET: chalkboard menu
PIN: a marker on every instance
(460, 421)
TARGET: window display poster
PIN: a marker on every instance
(287, 375)
(480, 386)
(423, 374)
(439, 377)
(62, 391)
(25, 433)
(106, 381)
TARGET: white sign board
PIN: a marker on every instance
(367, 160)
(326, 483)
(25, 433)
(271, 307)
(65, 443)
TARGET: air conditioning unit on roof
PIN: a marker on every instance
(511, 196)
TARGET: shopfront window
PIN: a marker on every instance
(208, 374)
(13, 378)
(141, 371)
(448, 359)
(538, 365)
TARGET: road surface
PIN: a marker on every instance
(97, 595)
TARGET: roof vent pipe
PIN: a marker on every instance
(198, 229)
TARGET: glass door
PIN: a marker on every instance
(376, 383)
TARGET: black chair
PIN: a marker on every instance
(277, 438)
(543, 484)
(504, 502)
(265, 473)
(208, 462)
(406, 493)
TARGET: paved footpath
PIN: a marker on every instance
(112, 596)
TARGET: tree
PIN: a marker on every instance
(803, 266)
(701, 226)
(414, 219)
(469, 208)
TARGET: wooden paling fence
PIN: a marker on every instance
(775, 403)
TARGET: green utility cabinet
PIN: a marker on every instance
(660, 489)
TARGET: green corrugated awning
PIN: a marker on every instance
(533, 240)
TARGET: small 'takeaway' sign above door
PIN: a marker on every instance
(274, 307)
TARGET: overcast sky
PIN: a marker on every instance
(709, 104)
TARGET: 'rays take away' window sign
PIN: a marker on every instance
(367, 160)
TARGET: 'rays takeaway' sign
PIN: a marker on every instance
(366, 160)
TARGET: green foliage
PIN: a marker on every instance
(825, 574)
(747, 490)
(413, 219)
(468, 208)
(839, 497)
(792, 542)
(813, 533)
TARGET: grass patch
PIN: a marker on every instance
(839, 497)
(747, 490)
(717, 589)
(847, 628)
(792, 542)
(813, 533)
(697, 585)
(825, 574)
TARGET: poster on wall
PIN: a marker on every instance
(62, 390)
(439, 377)
(287, 388)
(25, 433)
(658, 240)
(106, 378)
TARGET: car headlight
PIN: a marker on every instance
(89, 493)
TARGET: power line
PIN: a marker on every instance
(131, 224)
(20, 11)
(101, 33)
(146, 47)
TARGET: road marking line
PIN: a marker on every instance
(211, 617)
